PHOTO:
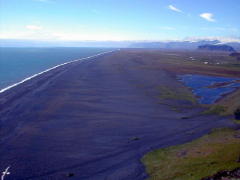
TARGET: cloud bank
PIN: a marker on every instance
(33, 27)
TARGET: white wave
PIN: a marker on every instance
(35, 75)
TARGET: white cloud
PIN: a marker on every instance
(62, 36)
(207, 16)
(173, 8)
(33, 27)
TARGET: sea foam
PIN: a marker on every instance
(47, 70)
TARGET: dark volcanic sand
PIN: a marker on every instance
(95, 119)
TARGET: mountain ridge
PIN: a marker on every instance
(185, 44)
(216, 47)
(188, 45)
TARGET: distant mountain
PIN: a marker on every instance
(173, 44)
(235, 45)
(219, 47)
(188, 45)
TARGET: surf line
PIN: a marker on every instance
(47, 70)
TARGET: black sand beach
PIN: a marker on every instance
(94, 119)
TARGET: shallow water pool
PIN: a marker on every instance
(209, 88)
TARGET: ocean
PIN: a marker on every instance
(17, 64)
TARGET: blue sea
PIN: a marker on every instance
(17, 64)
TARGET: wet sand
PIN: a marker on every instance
(93, 119)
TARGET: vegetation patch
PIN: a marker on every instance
(229, 105)
(176, 94)
(212, 153)
(216, 109)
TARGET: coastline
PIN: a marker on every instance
(49, 69)
(94, 119)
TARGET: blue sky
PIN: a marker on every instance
(119, 19)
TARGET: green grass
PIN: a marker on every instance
(215, 109)
(226, 106)
(201, 158)
(231, 102)
(237, 121)
(176, 94)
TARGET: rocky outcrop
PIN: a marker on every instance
(237, 115)
(226, 175)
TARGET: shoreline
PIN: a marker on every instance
(49, 69)
(94, 119)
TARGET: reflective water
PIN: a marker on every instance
(209, 88)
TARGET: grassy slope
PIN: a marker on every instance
(206, 156)
(230, 103)
(176, 94)
(211, 153)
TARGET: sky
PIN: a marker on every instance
(118, 20)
